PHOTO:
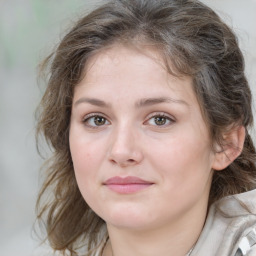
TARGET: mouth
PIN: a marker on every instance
(127, 185)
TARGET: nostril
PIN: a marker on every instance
(123, 162)
(113, 161)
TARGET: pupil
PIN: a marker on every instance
(160, 120)
(98, 120)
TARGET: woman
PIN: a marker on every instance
(147, 111)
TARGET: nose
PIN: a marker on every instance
(125, 149)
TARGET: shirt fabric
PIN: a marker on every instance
(230, 228)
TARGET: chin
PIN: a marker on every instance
(128, 217)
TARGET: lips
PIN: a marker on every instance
(127, 185)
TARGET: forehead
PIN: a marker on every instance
(126, 55)
(127, 64)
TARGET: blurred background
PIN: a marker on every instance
(29, 29)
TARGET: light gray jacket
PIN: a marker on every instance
(230, 228)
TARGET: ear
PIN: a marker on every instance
(230, 149)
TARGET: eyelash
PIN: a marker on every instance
(92, 116)
(167, 118)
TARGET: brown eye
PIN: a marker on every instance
(95, 121)
(160, 120)
(99, 120)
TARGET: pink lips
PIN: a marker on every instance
(126, 185)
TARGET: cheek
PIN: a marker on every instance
(185, 169)
(80, 155)
(85, 157)
(85, 163)
(183, 158)
(83, 149)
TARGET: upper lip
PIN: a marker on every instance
(125, 180)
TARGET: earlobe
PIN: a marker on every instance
(231, 148)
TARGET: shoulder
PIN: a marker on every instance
(230, 227)
(243, 204)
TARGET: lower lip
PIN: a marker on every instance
(128, 188)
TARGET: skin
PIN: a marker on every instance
(174, 155)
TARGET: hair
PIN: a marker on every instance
(197, 43)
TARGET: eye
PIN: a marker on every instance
(95, 121)
(160, 120)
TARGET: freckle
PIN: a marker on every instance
(88, 155)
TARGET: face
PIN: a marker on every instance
(140, 147)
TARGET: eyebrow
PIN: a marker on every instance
(141, 103)
(92, 101)
(153, 101)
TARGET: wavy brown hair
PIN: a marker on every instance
(191, 37)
